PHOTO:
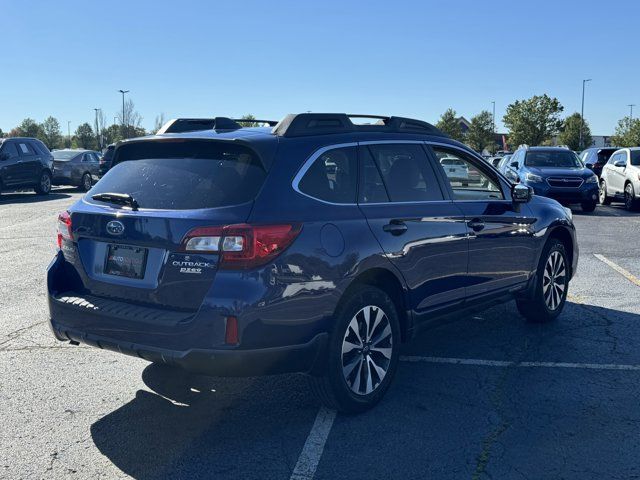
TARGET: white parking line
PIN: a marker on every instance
(309, 458)
(626, 274)
(504, 363)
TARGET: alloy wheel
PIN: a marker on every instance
(87, 182)
(45, 183)
(366, 350)
(603, 192)
(554, 281)
(628, 197)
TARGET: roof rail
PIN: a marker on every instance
(303, 124)
(178, 125)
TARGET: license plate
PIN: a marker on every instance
(126, 261)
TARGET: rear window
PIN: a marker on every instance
(64, 155)
(184, 175)
(605, 155)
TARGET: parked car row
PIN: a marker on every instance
(598, 175)
(554, 172)
(27, 163)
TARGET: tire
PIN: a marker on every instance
(589, 207)
(630, 202)
(603, 198)
(351, 383)
(85, 183)
(44, 184)
(549, 295)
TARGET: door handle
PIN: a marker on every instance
(395, 227)
(476, 224)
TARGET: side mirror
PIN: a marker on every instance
(4, 156)
(589, 166)
(514, 164)
(521, 193)
(620, 163)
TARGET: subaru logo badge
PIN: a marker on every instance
(114, 227)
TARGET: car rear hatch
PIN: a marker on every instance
(129, 232)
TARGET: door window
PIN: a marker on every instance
(372, 189)
(333, 176)
(467, 178)
(614, 158)
(406, 173)
(25, 149)
(9, 148)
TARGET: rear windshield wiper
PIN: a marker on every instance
(117, 198)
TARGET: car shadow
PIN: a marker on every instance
(615, 210)
(189, 426)
(192, 426)
(23, 196)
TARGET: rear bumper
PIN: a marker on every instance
(232, 362)
(63, 180)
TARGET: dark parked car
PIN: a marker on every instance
(318, 246)
(106, 159)
(595, 158)
(25, 163)
(555, 172)
(80, 168)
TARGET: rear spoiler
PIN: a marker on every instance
(178, 125)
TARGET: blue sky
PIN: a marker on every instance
(270, 58)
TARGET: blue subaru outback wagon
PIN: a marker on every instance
(317, 246)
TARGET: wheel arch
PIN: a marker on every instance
(392, 285)
(563, 234)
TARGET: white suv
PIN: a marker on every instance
(620, 179)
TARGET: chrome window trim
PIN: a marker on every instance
(314, 156)
(307, 165)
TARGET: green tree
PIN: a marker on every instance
(570, 133)
(534, 120)
(111, 134)
(28, 128)
(248, 122)
(84, 137)
(1, 133)
(449, 125)
(51, 134)
(480, 134)
(627, 133)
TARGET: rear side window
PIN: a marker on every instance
(25, 149)
(406, 172)
(332, 177)
(635, 157)
(184, 175)
(9, 148)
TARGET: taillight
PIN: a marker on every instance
(241, 246)
(64, 228)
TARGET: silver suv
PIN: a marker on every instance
(620, 179)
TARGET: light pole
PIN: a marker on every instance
(69, 132)
(124, 134)
(631, 105)
(493, 124)
(97, 131)
(582, 112)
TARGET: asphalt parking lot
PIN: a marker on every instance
(480, 397)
